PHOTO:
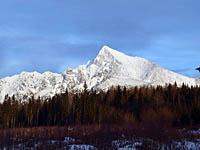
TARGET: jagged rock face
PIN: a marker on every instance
(109, 68)
(32, 84)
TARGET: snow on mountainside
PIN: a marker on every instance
(109, 68)
(32, 84)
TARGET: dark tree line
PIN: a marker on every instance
(168, 106)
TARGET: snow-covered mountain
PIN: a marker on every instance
(109, 68)
(32, 84)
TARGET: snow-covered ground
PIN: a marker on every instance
(194, 132)
(69, 143)
(186, 144)
(145, 143)
(81, 147)
(122, 142)
(126, 144)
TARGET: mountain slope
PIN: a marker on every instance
(109, 68)
(32, 84)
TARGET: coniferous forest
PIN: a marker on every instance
(168, 106)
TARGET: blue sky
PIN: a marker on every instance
(51, 35)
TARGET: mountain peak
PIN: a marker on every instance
(109, 50)
(106, 48)
(107, 54)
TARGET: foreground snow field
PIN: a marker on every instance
(121, 144)
(77, 140)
